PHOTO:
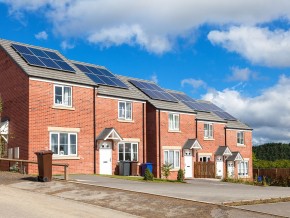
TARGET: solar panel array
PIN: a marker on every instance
(153, 91)
(202, 106)
(42, 58)
(101, 76)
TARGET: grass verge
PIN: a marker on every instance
(261, 201)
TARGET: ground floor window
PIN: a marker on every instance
(63, 143)
(243, 168)
(172, 157)
(128, 151)
(204, 158)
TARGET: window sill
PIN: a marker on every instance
(243, 177)
(126, 121)
(241, 145)
(63, 107)
(208, 139)
(178, 131)
(174, 170)
(65, 158)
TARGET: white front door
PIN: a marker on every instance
(219, 166)
(231, 169)
(188, 163)
(106, 158)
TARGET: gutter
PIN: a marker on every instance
(159, 143)
(94, 120)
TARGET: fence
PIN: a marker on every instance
(65, 166)
(272, 172)
(204, 170)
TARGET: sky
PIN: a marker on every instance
(233, 53)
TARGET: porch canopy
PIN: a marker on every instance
(4, 130)
(223, 151)
(109, 134)
(192, 144)
(236, 156)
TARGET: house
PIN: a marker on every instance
(92, 119)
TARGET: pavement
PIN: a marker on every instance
(16, 203)
(210, 191)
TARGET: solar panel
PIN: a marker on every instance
(42, 58)
(153, 91)
(224, 115)
(101, 76)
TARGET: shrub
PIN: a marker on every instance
(148, 175)
(166, 170)
(180, 175)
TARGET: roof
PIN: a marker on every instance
(192, 144)
(236, 156)
(45, 73)
(237, 125)
(129, 93)
(223, 151)
(109, 133)
(209, 116)
(159, 104)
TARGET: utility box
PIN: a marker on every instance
(124, 168)
(44, 160)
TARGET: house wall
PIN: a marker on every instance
(43, 115)
(107, 116)
(246, 150)
(14, 93)
(210, 146)
(176, 139)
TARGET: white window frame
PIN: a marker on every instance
(123, 115)
(204, 158)
(208, 132)
(175, 163)
(243, 168)
(240, 138)
(63, 102)
(58, 143)
(174, 122)
(131, 150)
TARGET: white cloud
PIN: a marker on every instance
(268, 113)
(66, 45)
(41, 35)
(194, 83)
(241, 74)
(154, 78)
(258, 45)
(152, 25)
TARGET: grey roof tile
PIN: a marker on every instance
(223, 150)
(236, 156)
(192, 143)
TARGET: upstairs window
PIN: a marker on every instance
(208, 131)
(240, 138)
(174, 122)
(125, 110)
(63, 95)
(63, 144)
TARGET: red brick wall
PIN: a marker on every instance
(246, 151)
(42, 115)
(14, 93)
(211, 145)
(107, 116)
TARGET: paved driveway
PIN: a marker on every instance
(211, 191)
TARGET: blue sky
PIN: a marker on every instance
(233, 53)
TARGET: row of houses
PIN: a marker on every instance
(93, 119)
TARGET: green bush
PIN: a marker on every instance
(166, 170)
(148, 175)
(180, 175)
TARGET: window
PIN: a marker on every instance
(125, 110)
(64, 144)
(243, 168)
(63, 95)
(204, 158)
(240, 138)
(174, 122)
(208, 130)
(172, 157)
(128, 151)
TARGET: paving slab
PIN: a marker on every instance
(211, 191)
